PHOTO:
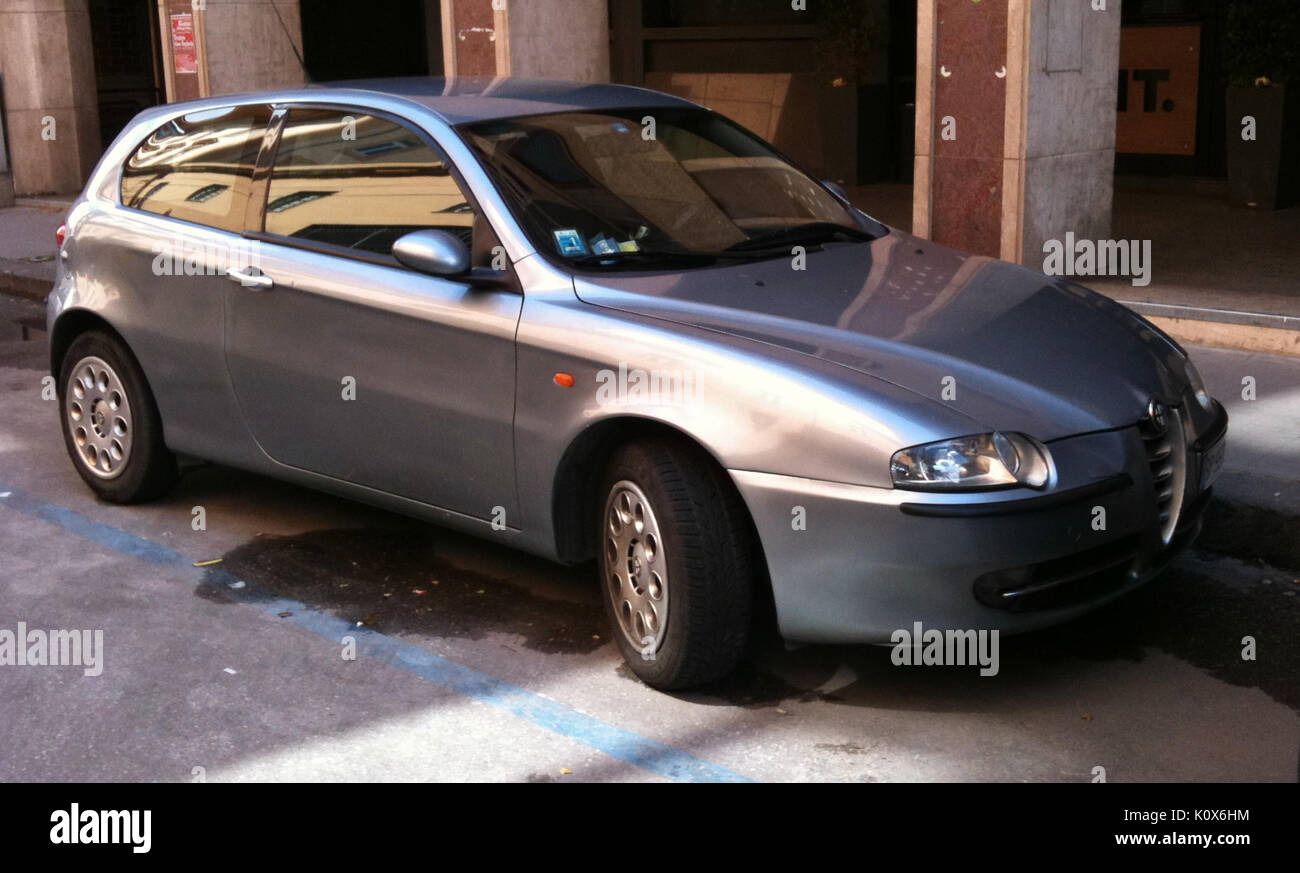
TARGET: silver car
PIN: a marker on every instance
(593, 321)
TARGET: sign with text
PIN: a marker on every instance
(1158, 79)
(183, 52)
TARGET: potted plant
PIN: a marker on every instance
(1262, 66)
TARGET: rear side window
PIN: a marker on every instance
(198, 167)
(360, 181)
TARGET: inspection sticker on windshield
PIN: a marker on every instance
(603, 245)
(569, 242)
(629, 245)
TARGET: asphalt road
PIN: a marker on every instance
(476, 663)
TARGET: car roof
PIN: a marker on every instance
(479, 98)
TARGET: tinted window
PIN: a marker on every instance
(360, 181)
(601, 183)
(198, 167)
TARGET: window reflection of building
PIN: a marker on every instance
(360, 181)
(197, 170)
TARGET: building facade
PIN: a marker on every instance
(1011, 117)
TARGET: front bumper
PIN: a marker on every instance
(852, 564)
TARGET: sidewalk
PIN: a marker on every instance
(1221, 276)
(28, 250)
(1205, 253)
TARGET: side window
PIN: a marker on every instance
(198, 167)
(359, 181)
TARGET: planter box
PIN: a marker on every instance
(1264, 173)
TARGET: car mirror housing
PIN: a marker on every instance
(435, 252)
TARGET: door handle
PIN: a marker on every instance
(257, 280)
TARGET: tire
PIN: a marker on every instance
(675, 564)
(108, 414)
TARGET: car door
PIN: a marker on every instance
(184, 194)
(346, 363)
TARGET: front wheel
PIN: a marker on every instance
(110, 422)
(675, 564)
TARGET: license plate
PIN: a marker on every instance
(1212, 463)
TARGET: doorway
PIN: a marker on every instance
(376, 39)
(128, 70)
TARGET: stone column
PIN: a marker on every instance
(539, 39)
(252, 44)
(50, 100)
(1015, 123)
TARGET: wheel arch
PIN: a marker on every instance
(577, 478)
(72, 324)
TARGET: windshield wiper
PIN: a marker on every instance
(812, 232)
(651, 256)
(640, 257)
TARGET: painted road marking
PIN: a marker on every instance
(617, 742)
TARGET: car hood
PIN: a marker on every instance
(1004, 345)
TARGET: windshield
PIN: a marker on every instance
(613, 188)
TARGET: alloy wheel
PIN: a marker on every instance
(99, 417)
(636, 568)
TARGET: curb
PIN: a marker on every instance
(1207, 313)
(1230, 335)
(1217, 334)
(49, 204)
(1224, 328)
(27, 287)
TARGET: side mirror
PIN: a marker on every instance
(435, 252)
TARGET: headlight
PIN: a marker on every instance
(1198, 386)
(990, 460)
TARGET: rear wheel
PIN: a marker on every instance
(110, 422)
(674, 563)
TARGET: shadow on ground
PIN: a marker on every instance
(414, 578)
(400, 581)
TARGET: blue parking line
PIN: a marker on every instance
(617, 742)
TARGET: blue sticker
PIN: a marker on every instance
(569, 242)
(620, 127)
(603, 245)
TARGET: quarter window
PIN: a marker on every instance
(360, 181)
(198, 167)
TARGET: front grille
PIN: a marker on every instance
(1166, 453)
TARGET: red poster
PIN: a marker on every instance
(183, 43)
